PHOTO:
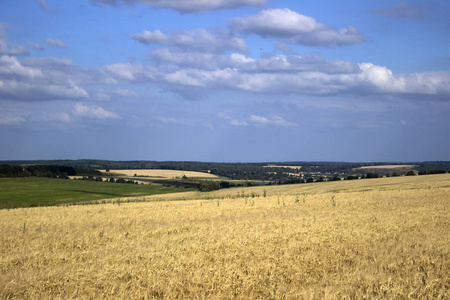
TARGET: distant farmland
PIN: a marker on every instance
(32, 191)
(388, 167)
(385, 238)
(157, 173)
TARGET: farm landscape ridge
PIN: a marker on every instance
(385, 237)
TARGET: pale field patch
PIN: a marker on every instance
(157, 173)
(375, 238)
(388, 167)
(290, 167)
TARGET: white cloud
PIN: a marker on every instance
(39, 79)
(401, 10)
(17, 116)
(56, 43)
(274, 120)
(33, 79)
(209, 40)
(51, 118)
(107, 95)
(296, 28)
(98, 112)
(125, 93)
(11, 120)
(291, 63)
(8, 48)
(166, 120)
(35, 46)
(201, 60)
(238, 123)
(366, 79)
(187, 6)
(100, 95)
(44, 5)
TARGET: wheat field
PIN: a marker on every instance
(159, 173)
(384, 238)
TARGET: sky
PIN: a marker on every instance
(225, 80)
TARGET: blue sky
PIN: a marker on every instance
(226, 81)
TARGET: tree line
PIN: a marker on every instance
(45, 171)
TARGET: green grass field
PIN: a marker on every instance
(30, 192)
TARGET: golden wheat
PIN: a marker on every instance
(369, 239)
(161, 173)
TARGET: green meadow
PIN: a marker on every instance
(31, 192)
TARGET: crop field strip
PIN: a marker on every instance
(169, 174)
(366, 243)
(26, 192)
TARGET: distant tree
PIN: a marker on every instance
(410, 173)
(225, 184)
(372, 175)
(208, 186)
(309, 180)
(64, 176)
(336, 178)
(395, 174)
(112, 179)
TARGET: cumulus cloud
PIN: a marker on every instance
(35, 46)
(11, 120)
(98, 112)
(107, 95)
(274, 120)
(255, 120)
(295, 27)
(291, 63)
(269, 75)
(56, 43)
(34, 79)
(238, 123)
(11, 115)
(401, 10)
(38, 79)
(247, 64)
(166, 120)
(201, 60)
(51, 118)
(44, 5)
(8, 48)
(186, 6)
(211, 40)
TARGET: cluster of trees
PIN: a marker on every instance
(426, 172)
(112, 179)
(7, 170)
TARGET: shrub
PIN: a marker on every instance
(208, 186)
(372, 175)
